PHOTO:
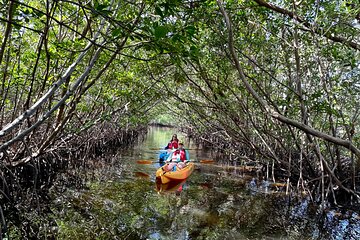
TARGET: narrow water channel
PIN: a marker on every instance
(119, 199)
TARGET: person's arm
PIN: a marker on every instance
(169, 158)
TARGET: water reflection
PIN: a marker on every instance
(141, 175)
(123, 201)
(172, 186)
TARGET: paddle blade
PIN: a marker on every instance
(144, 161)
(207, 161)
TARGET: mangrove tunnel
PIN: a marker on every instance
(264, 95)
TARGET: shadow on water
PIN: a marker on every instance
(122, 200)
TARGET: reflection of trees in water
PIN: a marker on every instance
(115, 198)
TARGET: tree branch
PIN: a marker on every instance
(29, 112)
(317, 30)
(307, 129)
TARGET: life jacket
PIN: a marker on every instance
(175, 144)
(182, 153)
(169, 146)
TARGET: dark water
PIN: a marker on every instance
(119, 199)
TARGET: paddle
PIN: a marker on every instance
(205, 161)
(166, 149)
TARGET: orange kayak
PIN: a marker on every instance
(177, 175)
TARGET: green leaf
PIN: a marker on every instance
(116, 32)
(160, 32)
(159, 12)
(190, 30)
(194, 52)
(101, 7)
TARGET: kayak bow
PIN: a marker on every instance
(177, 175)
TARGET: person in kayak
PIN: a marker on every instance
(182, 152)
(174, 143)
(178, 158)
(164, 155)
